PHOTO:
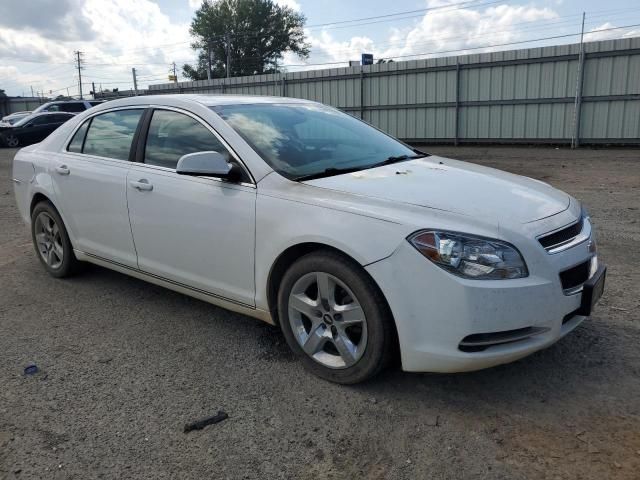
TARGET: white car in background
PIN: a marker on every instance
(355, 244)
(70, 106)
(14, 117)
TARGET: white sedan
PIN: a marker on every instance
(358, 246)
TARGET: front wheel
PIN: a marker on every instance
(335, 318)
(11, 141)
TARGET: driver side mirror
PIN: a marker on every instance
(208, 164)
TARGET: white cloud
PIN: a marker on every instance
(326, 49)
(123, 34)
(292, 4)
(438, 30)
(603, 32)
(195, 4)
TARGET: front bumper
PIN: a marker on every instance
(435, 311)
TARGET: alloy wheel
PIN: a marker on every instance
(12, 141)
(327, 320)
(49, 240)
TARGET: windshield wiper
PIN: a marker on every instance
(399, 158)
(327, 172)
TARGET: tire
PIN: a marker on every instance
(345, 335)
(51, 241)
(11, 141)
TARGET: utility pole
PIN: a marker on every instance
(93, 89)
(575, 139)
(209, 60)
(31, 91)
(135, 81)
(175, 75)
(79, 64)
(228, 41)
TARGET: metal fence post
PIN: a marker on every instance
(457, 119)
(575, 139)
(361, 92)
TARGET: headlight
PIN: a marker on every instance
(470, 257)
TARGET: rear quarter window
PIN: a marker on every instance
(78, 139)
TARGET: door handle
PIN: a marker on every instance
(63, 170)
(142, 185)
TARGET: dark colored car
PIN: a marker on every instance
(32, 129)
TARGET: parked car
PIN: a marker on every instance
(13, 117)
(353, 243)
(72, 106)
(32, 129)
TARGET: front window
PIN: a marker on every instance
(309, 140)
(172, 135)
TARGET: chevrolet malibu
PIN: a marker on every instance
(357, 246)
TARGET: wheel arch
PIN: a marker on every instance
(290, 255)
(40, 197)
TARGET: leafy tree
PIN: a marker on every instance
(257, 33)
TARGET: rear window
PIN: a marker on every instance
(110, 134)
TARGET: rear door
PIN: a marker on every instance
(195, 231)
(90, 184)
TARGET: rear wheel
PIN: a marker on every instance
(334, 318)
(51, 241)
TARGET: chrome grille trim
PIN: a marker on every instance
(561, 246)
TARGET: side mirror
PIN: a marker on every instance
(208, 164)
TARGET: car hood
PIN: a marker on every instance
(454, 186)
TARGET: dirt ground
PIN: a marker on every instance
(125, 364)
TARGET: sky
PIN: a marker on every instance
(38, 38)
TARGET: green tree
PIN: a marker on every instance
(256, 32)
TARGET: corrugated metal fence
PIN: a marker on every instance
(502, 97)
(17, 104)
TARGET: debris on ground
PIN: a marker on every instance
(200, 424)
(31, 369)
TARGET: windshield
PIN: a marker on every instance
(44, 107)
(23, 120)
(310, 140)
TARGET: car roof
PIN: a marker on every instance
(38, 114)
(208, 100)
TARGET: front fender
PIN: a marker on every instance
(282, 223)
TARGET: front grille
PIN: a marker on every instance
(481, 341)
(575, 276)
(560, 237)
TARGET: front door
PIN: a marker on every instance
(195, 231)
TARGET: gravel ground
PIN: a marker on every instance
(125, 364)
